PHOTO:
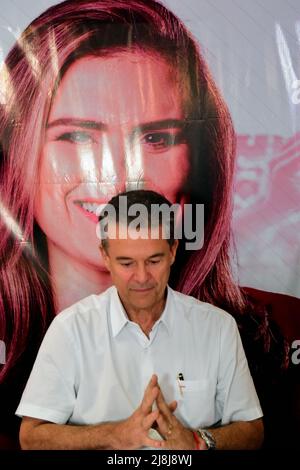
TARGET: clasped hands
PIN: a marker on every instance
(133, 432)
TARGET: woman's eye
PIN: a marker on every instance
(161, 140)
(76, 137)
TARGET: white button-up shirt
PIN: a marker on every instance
(94, 364)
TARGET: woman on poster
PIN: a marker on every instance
(102, 96)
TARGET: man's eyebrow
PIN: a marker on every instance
(156, 255)
(127, 258)
(84, 123)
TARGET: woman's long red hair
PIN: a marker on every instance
(31, 74)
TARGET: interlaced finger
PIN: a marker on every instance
(165, 427)
(150, 396)
(163, 407)
(149, 420)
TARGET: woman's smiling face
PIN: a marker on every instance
(116, 123)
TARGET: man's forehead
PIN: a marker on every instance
(134, 246)
(120, 231)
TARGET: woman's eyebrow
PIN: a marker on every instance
(84, 123)
(157, 125)
(100, 126)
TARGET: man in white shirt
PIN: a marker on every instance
(140, 365)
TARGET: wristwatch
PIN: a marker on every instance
(208, 438)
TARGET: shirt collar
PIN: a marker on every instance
(119, 316)
(167, 316)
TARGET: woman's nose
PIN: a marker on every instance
(135, 171)
(113, 167)
(122, 163)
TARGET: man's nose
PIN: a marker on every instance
(141, 274)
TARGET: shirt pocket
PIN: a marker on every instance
(196, 402)
(192, 385)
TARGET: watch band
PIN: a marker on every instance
(208, 438)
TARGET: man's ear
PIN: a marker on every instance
(105, 256)
(173, 249)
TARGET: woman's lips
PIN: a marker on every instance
(90, 208)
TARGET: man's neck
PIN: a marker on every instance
(145, 318)
(73, 280)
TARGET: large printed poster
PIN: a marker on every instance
(76, 129)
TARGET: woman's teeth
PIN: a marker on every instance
(92, 207)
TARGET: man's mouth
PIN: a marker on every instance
(143, 289)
